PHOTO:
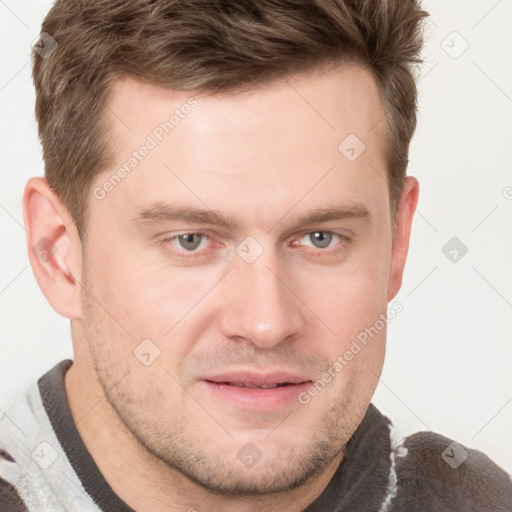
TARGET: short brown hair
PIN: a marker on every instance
(212, 46)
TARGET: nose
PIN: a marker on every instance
(261, 305)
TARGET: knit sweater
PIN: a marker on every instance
(45, 466)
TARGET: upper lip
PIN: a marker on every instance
(250, 378)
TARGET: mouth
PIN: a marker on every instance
(253, 386)
(257, 392)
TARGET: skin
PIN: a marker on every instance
(264, 157)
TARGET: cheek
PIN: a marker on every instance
(351, 300)
(350, 295)
(156, 302)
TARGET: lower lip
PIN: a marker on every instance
(257, 398)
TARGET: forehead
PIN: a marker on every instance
(329, 100)
(273, 142)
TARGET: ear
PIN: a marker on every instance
(54, 248)
(403, 224)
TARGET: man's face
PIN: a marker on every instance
(177, 324)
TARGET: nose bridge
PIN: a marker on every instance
(263, 309)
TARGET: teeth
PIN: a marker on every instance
(267, 386)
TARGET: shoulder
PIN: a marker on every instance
(439, 474)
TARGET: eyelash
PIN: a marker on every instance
(343, 239)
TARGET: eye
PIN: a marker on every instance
(323, 239)
(188, 241)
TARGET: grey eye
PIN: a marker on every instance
(320, 239)
(190, 241)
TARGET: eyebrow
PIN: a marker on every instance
(335, 212)
(158, 212)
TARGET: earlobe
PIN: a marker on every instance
(403, 225)
(54, 247)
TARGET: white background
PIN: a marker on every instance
(449, 351)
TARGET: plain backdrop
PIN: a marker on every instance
(448, 363)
